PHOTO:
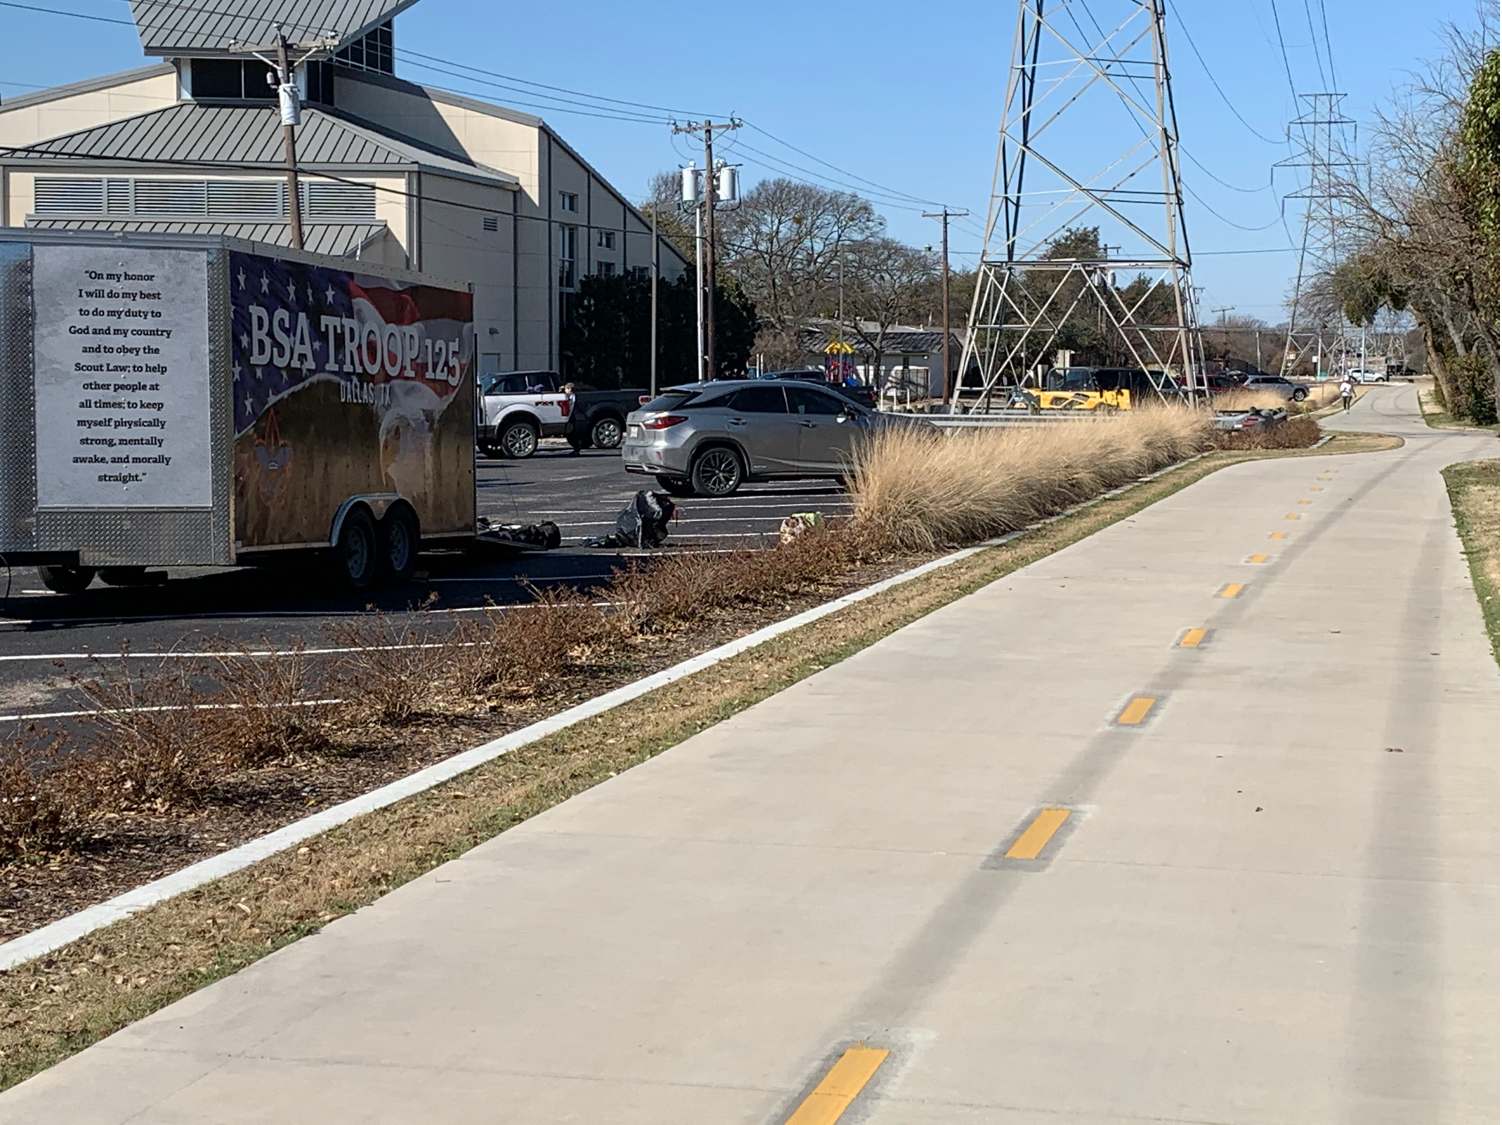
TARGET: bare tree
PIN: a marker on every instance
(782, 243)
(886, 282)
(1425, 211)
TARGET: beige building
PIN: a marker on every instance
(391, 171)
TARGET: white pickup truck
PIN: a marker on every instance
(517, 408)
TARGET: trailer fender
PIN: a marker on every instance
(376, 503)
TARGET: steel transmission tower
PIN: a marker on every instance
(1324, 136)
(1088, 140)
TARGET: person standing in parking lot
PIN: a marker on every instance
(1347, 390)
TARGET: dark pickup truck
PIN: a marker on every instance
(598, 418)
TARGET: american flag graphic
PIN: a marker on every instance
(418, 337)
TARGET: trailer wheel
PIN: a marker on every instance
(356, 552)
(399, 542)
(66, 579)
(519, 439)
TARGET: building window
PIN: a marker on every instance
(238, 79)
(607, 269)
(568, 201)
(321, 82)
(568, 246)
(605, 239)
(372, 51)
(490, 223)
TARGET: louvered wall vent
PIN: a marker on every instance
(265, 199)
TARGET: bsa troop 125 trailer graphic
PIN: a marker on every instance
(347, 384)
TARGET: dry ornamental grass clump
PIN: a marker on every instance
(920, 491)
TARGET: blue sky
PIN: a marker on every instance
(903, 95)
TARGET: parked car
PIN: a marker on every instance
(1277, 384)
(598, 418)
(1214, 384)
(862, 394)
(710, 438)
(1370, 376)
(517, 408)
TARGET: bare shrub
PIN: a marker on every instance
(1295, 433)
(270, 710)
(391, 671)
(48, 798)
(679, 590)
(524, 651)
(918, 491)
(153, 733)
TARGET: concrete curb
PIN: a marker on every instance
(57, 934)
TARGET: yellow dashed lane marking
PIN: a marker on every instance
(1291, 516)
(1135, 711)
(1278, 535)
(1037, 834)
(1193, 638)
(1231, 590)
(837, 1089)
(1306, 501)
(1257, 559)
(1316, 490)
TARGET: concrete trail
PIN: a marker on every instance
(1273, 897)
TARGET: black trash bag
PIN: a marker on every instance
(642, 523)
(544, 535)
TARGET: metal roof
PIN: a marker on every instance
(174, 29)
(195, 133)
(340, 239)
(89, 85)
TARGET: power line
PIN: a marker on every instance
(1229, 222)
(1283, 50)
(1214, 82)
(1314, 44)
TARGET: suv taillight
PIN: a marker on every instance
(663, 421)
(564, 405)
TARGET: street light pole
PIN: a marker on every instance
(656, 272)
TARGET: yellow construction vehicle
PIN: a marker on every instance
(1100, 388)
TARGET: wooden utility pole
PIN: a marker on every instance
(289, 107)
(289, 140)
(707, 202)
(944, 216)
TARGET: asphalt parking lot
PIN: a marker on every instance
(45, 637)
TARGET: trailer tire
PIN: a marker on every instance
(66, 579)
(519, 439)
(356, 552)
(400, 540)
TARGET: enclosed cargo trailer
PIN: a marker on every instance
(184, 400)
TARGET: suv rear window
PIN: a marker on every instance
(687, 400)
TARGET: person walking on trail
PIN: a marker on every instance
(1347, 392)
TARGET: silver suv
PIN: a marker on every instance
(710, 438)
